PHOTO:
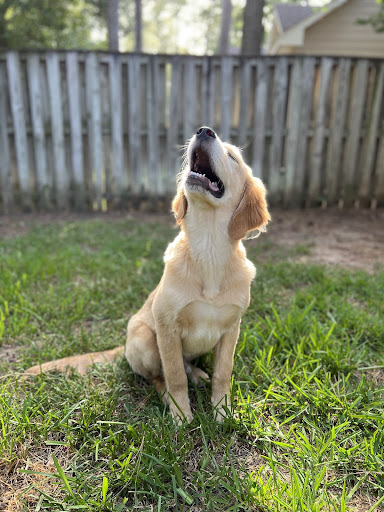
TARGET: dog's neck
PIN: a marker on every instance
(209, 245)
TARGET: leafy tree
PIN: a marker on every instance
(225, 26)
(253, 30)
(45, 24)
(113, 25)
(138, 26)
(377, 21)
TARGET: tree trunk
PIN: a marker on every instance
(113, 25)
(253, 30)
(225, 26)
(138, 27)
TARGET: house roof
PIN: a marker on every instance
(290, 14)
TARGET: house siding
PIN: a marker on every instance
(340, 34)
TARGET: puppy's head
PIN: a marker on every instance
(215, 176)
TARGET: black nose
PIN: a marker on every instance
(205, 132)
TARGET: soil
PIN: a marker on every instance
(351, 239)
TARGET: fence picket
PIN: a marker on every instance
(352, 148)
(39, 144)
(174, 116)
(94, 127)
(304, 123)
(134, 122)
(368, 158)
(118, 184)
(315, 190)
(5, 160)
(278, 128)
(379, 178)
(260, 117)
(20, 131)
(154, 176)
(54, 90)
(73, 84)
(293, 132)
(337, 131)
(226, 97)
(245, 86)
(189, 98)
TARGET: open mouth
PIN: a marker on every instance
(201, 174)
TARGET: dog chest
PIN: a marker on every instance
(202, 325)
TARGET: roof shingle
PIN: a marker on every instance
(291, 14)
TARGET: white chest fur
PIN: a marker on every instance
(202, 325)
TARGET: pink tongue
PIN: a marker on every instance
(213, 187)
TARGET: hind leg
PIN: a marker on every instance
(141, 349)
(195, 375)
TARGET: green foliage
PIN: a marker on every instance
(377, 21)
(307, 429)
(45, 24)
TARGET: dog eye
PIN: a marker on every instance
(232, 157)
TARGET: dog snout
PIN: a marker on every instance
(204, 132)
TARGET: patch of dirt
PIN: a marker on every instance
(9, 353)
(353, 239)
(21, 491)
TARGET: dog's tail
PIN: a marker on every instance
(80, 363)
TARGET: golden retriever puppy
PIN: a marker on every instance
(205, 287)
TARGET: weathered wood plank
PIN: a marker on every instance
(155, 182)
(333, 172)
(379, 177)
(368, 160)
(226, 97)
(260, 117)
(352, 148)
(19, 126)
(115, 81)
(134, 136)
(305, 119)
(5, 158)
(54, 90)
(315, 190)
(73, 84)
(189, 125)
(94, 126)
(245, 85)
(293, 131)
(276, 183)
(174, 124)
(39, 143)
(125, 96)
(207, 92)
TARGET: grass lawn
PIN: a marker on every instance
(307, 427)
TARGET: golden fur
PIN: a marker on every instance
(205, 287)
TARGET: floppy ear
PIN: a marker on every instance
(251, 212)
(179, 205)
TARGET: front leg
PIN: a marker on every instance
(171, 353)
(222, 371)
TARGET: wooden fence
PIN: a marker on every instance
(89, 130)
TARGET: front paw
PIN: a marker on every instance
(180, 416)
(180, 410)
